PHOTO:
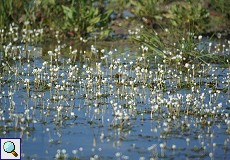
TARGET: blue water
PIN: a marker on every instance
(94, 131)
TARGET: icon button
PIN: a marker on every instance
(10, 148)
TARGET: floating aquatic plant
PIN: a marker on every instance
(118, 99)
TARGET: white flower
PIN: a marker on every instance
(26, 22)
(187, 65)
(50, 53)
(173, 146)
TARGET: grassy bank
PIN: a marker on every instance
(78, 18)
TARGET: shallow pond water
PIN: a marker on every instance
(119, 105)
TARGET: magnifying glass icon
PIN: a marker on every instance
(9, 147)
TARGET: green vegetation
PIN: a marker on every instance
(180, 49)
(172, 29)
(222, 6)
(77, 17)
(192, 15)
(80, 18)
(148, 10)
(195, 15)
(174, 32)
(75, 97)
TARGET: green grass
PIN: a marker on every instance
(77, 18)
(179, 48)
